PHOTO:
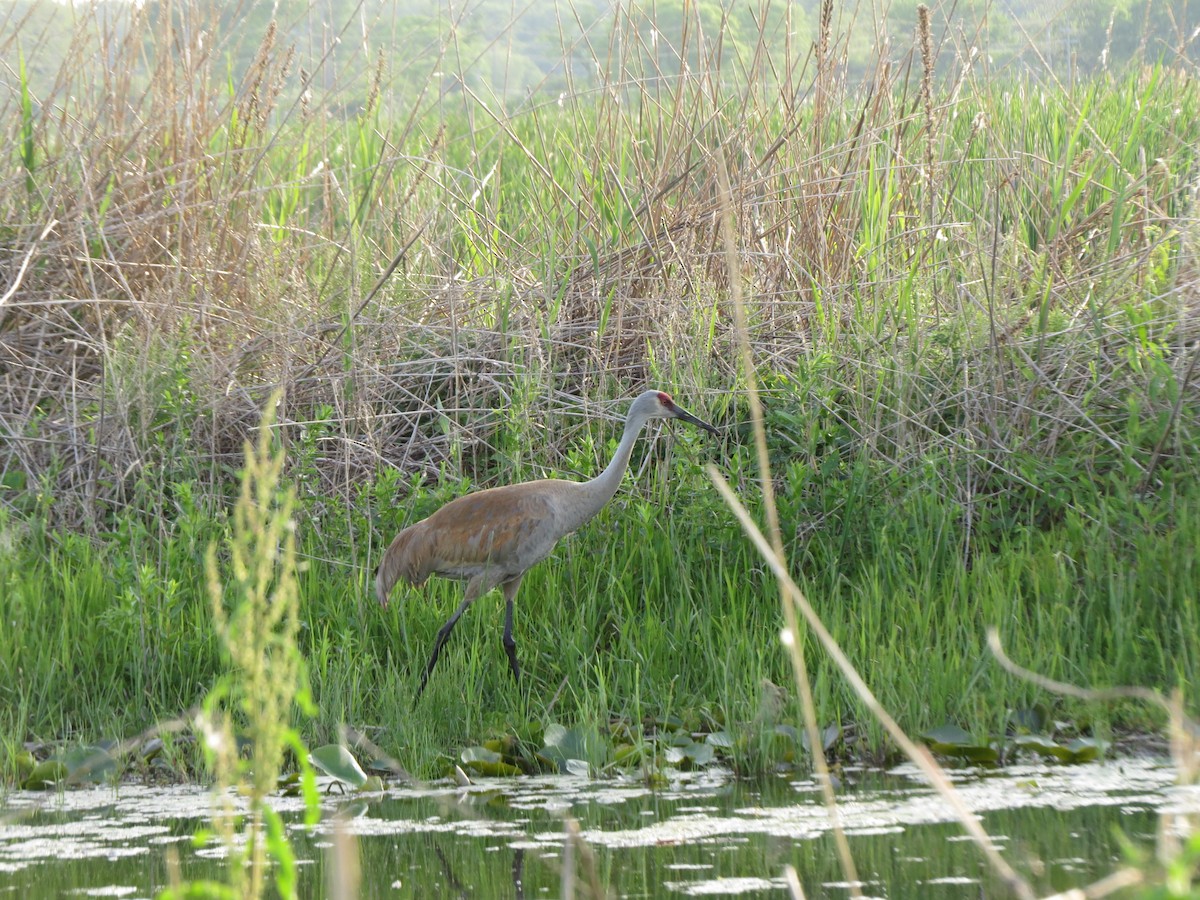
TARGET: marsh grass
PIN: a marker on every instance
(977, 388)
(246, 725)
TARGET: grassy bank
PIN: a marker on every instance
(656, 610)
(973, 314)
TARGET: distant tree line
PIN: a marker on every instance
(484, 47)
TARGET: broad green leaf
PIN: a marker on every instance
(151, 749)
(628, 755)
(578, 767)
(691, 755)
(668, 723)
(947, 735)
(980, 753)
(719, 739)
(830, 735)
(45, 775)
(1042, 745)
(506, 745)
(787, 731)
(480, 754)
(24, 762)
(950, 740)
(563, 744)
(487, 762)
(88, 765)
(1086, 749)
(336, 760)
(1030, 720)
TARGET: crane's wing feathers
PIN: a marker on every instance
(506, 528)
(511, 527)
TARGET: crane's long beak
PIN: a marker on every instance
(688, 417)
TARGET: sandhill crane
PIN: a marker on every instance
(490, 538)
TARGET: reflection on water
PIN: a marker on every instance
(705, 836)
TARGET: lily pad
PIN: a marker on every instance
(45, 775)
(666, 723)
(373, 785)
(151, 749)
(720, 740)
(337, 761)
(489, 763)
(784, 744)
(626, 756)
(1077, 751)
(830, 735)
(1042, 745)
(950, 740)
(566, 744)
(1085, 749)
(691, 756)
(1029, 720)
(89, 765)
(947, 736)
(24, 763)
(288, 784)
(578, 767)
(506, 746)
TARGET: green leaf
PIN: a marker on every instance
(830, 735)
(578, 767)
(487, 762)
(471, 755)
(89, 765)
(948, 736)
(691, 755)
(45, 775)
(787, 731)
(24, 763)
(668, 723)
(950, 740)
(1041, 745)
(1085, 749)
(719, 739)
(566, 744)
(979, 753)
(1031, 720)
(627, 756)
(336, 760)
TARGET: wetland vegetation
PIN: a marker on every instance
(972, 309)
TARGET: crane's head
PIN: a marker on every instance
(659, 405)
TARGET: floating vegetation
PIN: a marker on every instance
(697, 832)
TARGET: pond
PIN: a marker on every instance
(707, 834)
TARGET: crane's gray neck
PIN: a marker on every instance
(601, 488)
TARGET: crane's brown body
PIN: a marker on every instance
(491, 538)
(491, 535)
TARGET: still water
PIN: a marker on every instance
(706, 835)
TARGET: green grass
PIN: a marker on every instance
(980, 402)
(653, 609)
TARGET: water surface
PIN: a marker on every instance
(705, 835)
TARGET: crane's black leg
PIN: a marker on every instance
(442, 635)
(510, 645)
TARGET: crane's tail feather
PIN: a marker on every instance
(382, 587)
